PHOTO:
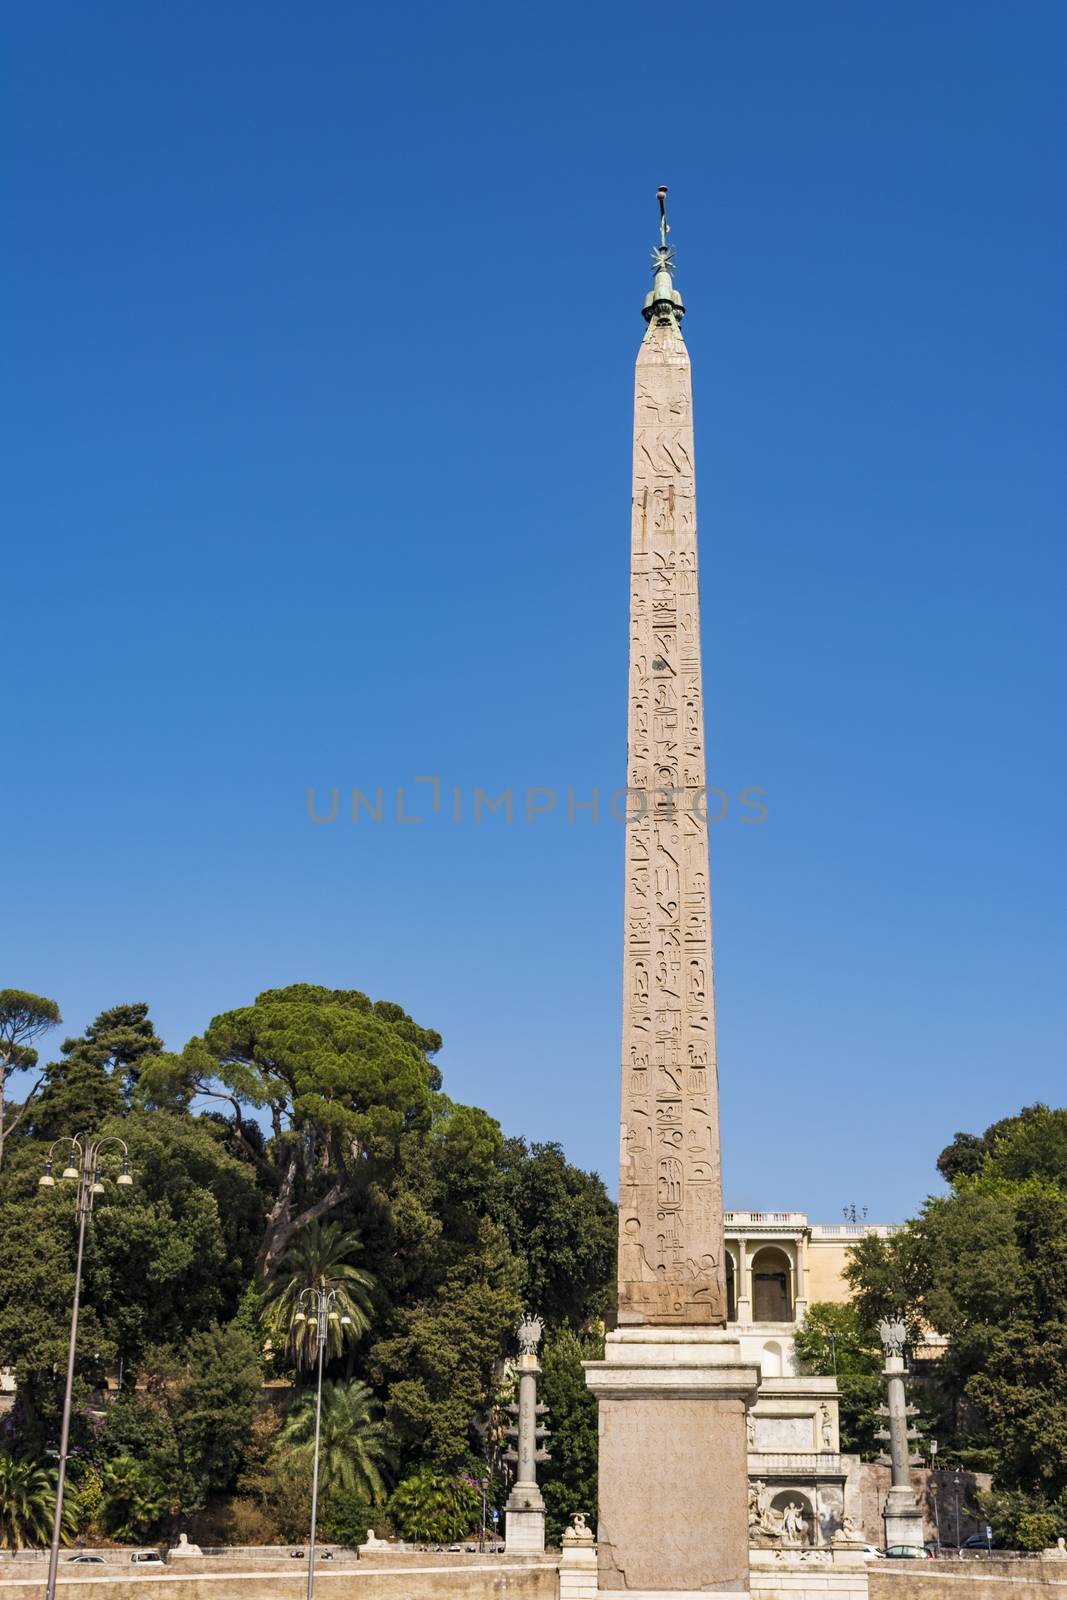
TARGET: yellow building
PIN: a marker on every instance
(777, 1264)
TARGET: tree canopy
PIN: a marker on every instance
(302, 1140)
(24, 1017)
(986, 1266)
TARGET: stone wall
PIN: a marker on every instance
(436, 1579)
(968, 1580)
(869, 1484)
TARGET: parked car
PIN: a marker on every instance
(977, 1541)
(908, 1552)
(147, 1558)
(871, 1552)
(89, 1560)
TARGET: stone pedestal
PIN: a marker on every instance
(577, 1562)
(903, 1517)
(524, 1528)
(673, 1512)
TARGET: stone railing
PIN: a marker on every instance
(742, 1219)
(798, 1463)
(854, 1230)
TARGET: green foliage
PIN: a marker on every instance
(986, 1265)
(1021, 1520)
(343, 1079)
(24, 1017)
(184, 1437)
(90, 1084)
(90, 1499)
(205, 1390)
(353, 1446)
(274, 1488)
(345, 1519)
(190, 1271)
(834, 1342)
(28, 1504)
(136, 1504)
(563, 1222)
(439, 1361)
(319, 1257)
(163, 1258)
(569, 1480)
(1031, 1144)
(434, 1507)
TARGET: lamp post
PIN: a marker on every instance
(959, 1547)
(83, 1168)
(933, 1492)
(319, 1307)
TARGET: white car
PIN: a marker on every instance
(147, 1558)
(871, 1552)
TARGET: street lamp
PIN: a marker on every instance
(319, 1307)
(83, 1168)
(933, 1492)
(959, 1547)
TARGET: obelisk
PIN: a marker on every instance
(672, 1390)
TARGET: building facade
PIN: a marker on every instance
(777, 1264)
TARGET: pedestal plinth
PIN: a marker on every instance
(903, 1517)
(673, 1472)
(524, 1522)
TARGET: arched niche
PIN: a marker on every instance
(772, 1285)
(771, 1359)
(783, 1499)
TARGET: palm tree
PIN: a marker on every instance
(320, 1257)
(28, 1505)
(353, 1448)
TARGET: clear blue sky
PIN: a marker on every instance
(321, 330)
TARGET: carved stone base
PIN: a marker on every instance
(524, 1521)
(673, 1512)
(809, 1575)
(903, 1518)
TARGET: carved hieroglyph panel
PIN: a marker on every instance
(671, 1262)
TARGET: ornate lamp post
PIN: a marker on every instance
(83, 1168)
(319, 1307)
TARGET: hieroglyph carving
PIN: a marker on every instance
(671, 1262)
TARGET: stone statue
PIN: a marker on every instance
(893, 1336)
(762, 1516)
(827, 1427)
(793, 1522)
(579, 1534)
(529, 1333)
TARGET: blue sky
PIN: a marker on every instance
(321, 332)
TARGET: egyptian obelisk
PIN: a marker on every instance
(672, 1390)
